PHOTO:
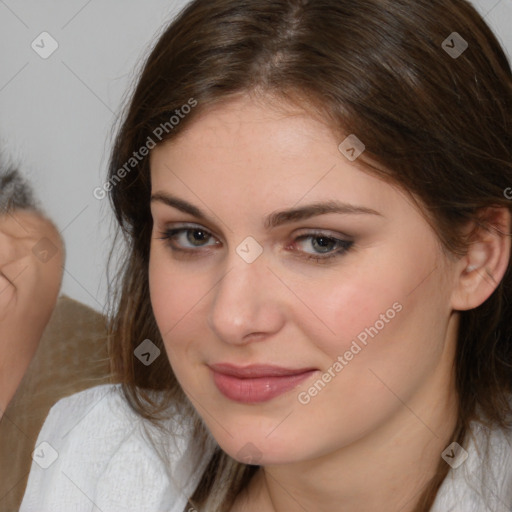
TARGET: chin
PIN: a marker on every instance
(254, 447)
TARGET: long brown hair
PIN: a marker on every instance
(435, 123)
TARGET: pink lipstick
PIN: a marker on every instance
(256, 383)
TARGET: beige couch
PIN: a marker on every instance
(72, 356)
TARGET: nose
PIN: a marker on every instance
(246, 303)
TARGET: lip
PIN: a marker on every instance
(256, 383)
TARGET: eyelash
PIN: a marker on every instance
(345, 245)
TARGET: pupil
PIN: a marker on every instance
(197, 236)
(324, 242)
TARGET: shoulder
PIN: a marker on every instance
(94, 449)
(81, 421)
(102, 407)
(481, 473)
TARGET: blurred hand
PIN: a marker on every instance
(31, 264)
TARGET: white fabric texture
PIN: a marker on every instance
(483, 483)
(105, 463)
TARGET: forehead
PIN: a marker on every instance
(242, 125)
(246, 151)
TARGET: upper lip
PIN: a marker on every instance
(256, 370)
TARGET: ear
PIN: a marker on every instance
(480, 271)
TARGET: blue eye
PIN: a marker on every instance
(189, 239)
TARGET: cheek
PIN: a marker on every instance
(387, 315)
(389, 335)
(385, 347)
(369, 328)
(176, 298)
(356, 306)
(170, 291)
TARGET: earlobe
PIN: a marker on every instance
(488, 257)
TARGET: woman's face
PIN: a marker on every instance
(354, 304)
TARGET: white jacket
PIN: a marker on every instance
(93, 454)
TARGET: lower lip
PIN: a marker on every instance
(257, 390)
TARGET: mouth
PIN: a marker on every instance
(256, 383)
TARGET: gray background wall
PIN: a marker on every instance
(57, 114)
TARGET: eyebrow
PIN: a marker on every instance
(274, 219)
